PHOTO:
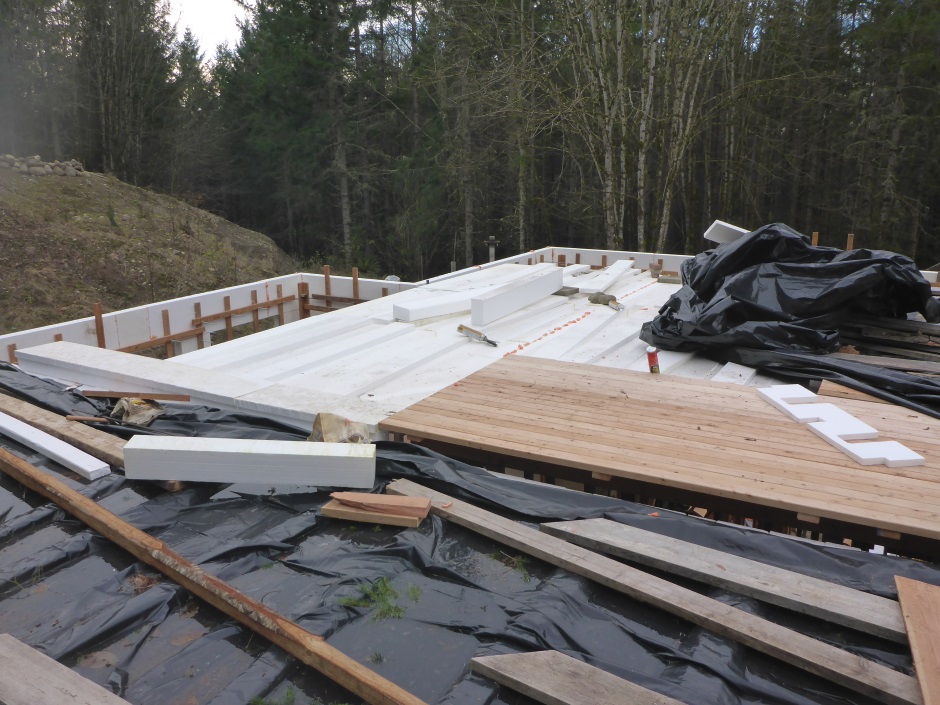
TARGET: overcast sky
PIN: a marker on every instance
(212, 21)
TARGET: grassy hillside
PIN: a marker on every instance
(67, 242)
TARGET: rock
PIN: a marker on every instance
(70, 170)
(9, 157)
(4, 165)
(24, 169)
(36, 170)
(58, 171)
(33, 161)
(47, 168)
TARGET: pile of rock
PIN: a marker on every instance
(34, 166)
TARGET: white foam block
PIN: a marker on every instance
(606, 279)
(435, 303)
(722, 232)
(78, 461)
(248, 460)
(507, 299)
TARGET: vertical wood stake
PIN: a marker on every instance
(815, 239)
(577, 258)
(254, 313)
(99, 325)
(603, 260)
(11, 353)
(328, 302)
(168, 345)
(227, 303)
(562, 260)
(303, 298)
(280, 307)
(57, 337)
(355, 273)
(850, 242)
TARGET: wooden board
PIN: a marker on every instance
(29, 677)
(68, 456)
(337, 510)
(102, 445)
(920, 605)
(250, 460)
(694, 436)
(801, 593)
(553, 678)
(385, 503)
(298, 642)
(848, 670)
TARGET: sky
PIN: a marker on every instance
(212, 21)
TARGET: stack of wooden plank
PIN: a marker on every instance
(377, 508)
(879, 336)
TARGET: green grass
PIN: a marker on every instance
(288, 699)
(380, 596)
(517, 563)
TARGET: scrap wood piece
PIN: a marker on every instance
(76, 460)
(337, 510)
(386, 503)
(29, 677)
(920, 605)
(157, 396)
(102, 445)
(829, 662)
(303, 645)
(801, 593)
(553, 678)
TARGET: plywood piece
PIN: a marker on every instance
(553, 678)
(337, 510)
(920, 605)
(385, 503)
(801, 593)
(29, 677)
(509, 298)
(250, 460)
(66, 455)
(608, 277)
(858, 674)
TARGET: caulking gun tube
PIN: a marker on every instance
(652, 357)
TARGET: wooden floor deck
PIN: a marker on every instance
(704, 438)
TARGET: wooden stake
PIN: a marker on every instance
(57, 337)
(577, 258)
(303, 296)
(326, 285)
(280, 307)
(530, 261)
(11, 353)
(815, 239)
(384, 291)
(254, 313)
(850, 242)
(603, 260)
(307, 647)
(561, 260)
(168, 345)
(541, 259)
(355, 275)
(227, 305)
(99, 325)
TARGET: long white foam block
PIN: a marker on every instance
(518, 294)
(435, 304)
(722, 232)
(606, 279)
(78, 461)
(248, 460)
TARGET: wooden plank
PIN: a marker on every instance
(829, 662)
(156, 396)
(227, 305)
(11, 353)
(337, 510)
(165, 340)
(29, 677)
(801, 593)
(326, 285)
(101, 445)
(251, 308)
(255, 320)
(385, 503)
(832, 389)
(250, 460)
(355, 282)
(68, 456)
(553, 678)
(920, 605)
(308, 648)
(280, 305)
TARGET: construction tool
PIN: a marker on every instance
(606, 300)
(474, 334)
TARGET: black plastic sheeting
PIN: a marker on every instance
(86, 603)
(772, 300)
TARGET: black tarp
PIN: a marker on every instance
(772, 300)
(81, 600)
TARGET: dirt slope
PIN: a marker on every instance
(60, 253)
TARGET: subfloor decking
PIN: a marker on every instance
(705, 438)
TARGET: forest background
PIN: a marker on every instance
(399, 135)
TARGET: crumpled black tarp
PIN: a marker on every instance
(68, 592)
(771, 300)
(772, 290)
